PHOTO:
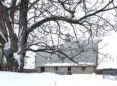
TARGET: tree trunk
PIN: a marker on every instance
(8, 42)
(23, 35)
(16, 44)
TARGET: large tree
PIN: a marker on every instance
(25, 23)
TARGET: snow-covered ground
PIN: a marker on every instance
(50, 79)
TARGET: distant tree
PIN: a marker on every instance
(25, 23)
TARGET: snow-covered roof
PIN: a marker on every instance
(85, 52)
(67, 64)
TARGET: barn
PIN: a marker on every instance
(78, 57)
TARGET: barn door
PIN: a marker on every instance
(69, 70)
(42, 69)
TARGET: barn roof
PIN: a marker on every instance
(82, 52)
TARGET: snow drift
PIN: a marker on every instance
(50, 79)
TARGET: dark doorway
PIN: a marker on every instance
(42, 69)
(69, 68)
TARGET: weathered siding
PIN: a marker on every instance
(79, 70)
(49, 69)
(64, 69)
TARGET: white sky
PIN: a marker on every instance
(110, 49)
(111, 44)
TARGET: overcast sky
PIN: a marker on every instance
(110, 48)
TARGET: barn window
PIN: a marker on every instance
(83, 68)
(56, 68)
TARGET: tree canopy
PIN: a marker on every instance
(26, 23)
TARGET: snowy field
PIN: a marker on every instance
(50, 79)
